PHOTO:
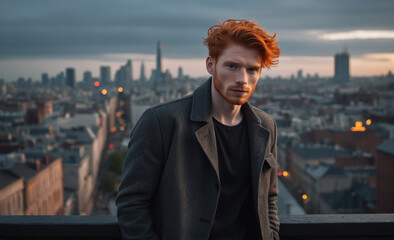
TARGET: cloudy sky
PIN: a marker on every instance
(49, 35)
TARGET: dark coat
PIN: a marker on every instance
(170, 182)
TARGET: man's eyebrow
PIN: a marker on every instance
(258, 65)
(231, 62)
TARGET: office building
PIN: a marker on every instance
(70, 78)
(341, 74)
(105, 75)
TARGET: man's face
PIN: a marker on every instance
(235, 73)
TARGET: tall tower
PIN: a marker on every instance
(180, 73)
(44, 79)
(158, 60)
(87, 77)
(105, 75)
(129, 72)
(341, 74)
(70, 77)
(142, 73)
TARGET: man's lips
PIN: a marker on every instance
(240, 91)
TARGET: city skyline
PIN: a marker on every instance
(87, 35)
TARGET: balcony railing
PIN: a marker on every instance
(327, 227)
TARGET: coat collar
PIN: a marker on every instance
(202, 103)
(205, 133)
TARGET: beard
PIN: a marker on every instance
(227, 92)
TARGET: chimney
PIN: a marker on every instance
(38, 165)
(47, 160)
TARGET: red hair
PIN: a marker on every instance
(247, 34)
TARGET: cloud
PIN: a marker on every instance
(358, 34)
(73, 29)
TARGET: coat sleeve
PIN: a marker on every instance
(273, 192)
(140, 176)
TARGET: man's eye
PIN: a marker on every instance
(231, 66)
(253, 70)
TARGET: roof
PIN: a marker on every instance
(324, 170)
(319, 151)
(351, 199)
(70, 156)
(80, 135)
(7, 178)
(23, 170)
(387, 146)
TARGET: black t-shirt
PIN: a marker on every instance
(235, 215)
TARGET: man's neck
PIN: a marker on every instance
(223, 111)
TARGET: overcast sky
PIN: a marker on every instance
(46, 35)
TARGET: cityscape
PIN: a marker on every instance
(63, 141)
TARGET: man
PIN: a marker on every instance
(203, 166)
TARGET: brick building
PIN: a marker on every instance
(385, 177)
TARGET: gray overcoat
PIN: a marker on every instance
(170, 182)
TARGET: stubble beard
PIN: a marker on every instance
(220, 88)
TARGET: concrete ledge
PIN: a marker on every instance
(352, 226)
(349, 226)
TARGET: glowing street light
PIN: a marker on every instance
(104, 91)
(96, 83)
(304, 196)
(359, 127)
(120, 89)
(285, 174)
(368, 122)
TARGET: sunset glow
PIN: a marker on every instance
(358, 34)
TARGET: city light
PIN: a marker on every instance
(120, 89)
(358, 127)
(279, 173)
(285, 173)
(368, 122)
(122, 128)
(304, 196)
(111, 146)
(113, 129)
(104, 91)
(96, 83)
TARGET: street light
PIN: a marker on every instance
(304, 196)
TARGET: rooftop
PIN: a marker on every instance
(387, 146)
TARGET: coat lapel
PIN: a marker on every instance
(258, 139)
(206, 137)
(203, 124)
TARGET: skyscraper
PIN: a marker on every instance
(44, 79)
(142, 73)
(123, 77)
(87, 77)
(70, 77)
(300, 75)
(158, 60)
(180, 73)
(342, 74)
(129, 72)
(105, 75)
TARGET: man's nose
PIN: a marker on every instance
(242, 76)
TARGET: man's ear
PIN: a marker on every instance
(210, 64)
